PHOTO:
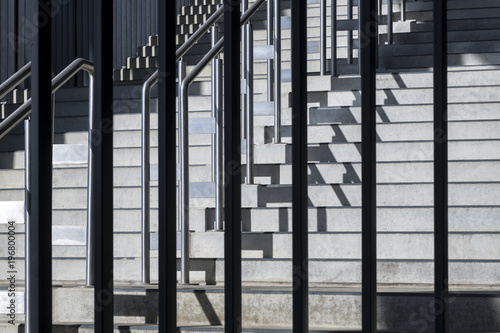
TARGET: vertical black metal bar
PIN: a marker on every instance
(102, 210)
(232, 162)
(299, 168)
(389, 21)
(440, 167)
(349, 33)
(115, 35)
(368, 53)
(39, 279)
(322, 50)
(334, 37)
(167, 181)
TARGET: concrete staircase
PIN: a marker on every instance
(405, 191)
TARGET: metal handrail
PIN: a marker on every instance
(23, 113)
(184, 144)
(146, 93)
(24, 110)
(202, 30)
(16, 79)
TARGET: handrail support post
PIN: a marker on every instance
(249, 102)
(277, 71)
(270, 41)
(184, 173)
(90, 191)
(219, 163)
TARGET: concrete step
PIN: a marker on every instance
(453, 36)
(400, 309)
(389, 219)
(466, 59)
(387, 172)
(453, 25)
(460, 12)
(404, 80)
(70, 242)
(482, 47)
(403, 96)
(281, 153)
(76, 176)
(386, 152)
(125, 220)
(401, 246)
(349, 271)
(390, 195)
(331, 133)
(125, 270)
(399, 113)
(385, 132)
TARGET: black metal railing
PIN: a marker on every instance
(39, 283)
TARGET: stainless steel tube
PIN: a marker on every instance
(27, 219)
(403, 10)
(219, 164)
(146, 179)
(270, 71)
(215, 39)
(181, 68)
(277, 71)
(249, 102)
(12, 82)
(322, 37)
(244, 52)
(184, 177)
(90, 193)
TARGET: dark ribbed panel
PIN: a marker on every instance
(72, 31)
(4, 20)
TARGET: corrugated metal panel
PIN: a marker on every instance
(135, 21)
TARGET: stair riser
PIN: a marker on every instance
(402, 246)
(278, 154)
(274, 309)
